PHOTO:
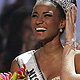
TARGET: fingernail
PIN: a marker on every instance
(73, 5)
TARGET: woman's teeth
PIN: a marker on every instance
(41, 29)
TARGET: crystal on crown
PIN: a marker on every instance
(63, 3)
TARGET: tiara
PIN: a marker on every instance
(63, 3)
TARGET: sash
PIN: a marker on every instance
(29, 59)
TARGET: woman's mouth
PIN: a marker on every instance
(38, 29)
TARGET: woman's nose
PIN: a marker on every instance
(39, 20)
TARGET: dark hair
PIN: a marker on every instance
(16, 23)
(62, 13)
(14, 42)
(7, 12)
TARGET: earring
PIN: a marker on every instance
(61, 30)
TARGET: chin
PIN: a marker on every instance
(39, 39)
(42, 40)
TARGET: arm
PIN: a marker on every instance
(14, 67)
(77, 62)
(68, 66)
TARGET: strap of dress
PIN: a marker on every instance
(28, 58)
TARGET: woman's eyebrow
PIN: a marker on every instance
(48, 12)
(44, 12)
(35, 12)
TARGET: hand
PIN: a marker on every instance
(68, 66)
(71, 16)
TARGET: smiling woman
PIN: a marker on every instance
(44, 19)
(48, 17)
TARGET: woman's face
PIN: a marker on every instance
(45, 21)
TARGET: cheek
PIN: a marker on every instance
(32, 24)
(53, 26)
(52, 23)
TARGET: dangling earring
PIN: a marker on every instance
(61, 30)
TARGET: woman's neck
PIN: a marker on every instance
(52, 48)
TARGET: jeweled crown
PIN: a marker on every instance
(63, 3)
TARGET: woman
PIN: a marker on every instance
(48, 18)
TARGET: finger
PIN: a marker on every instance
(70, 15)
(73, 17)
(73, 13)
(67, 25)
(67, 18)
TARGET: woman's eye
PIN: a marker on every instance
(34, 16)
(48, 15)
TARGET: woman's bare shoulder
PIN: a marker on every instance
(77, 61)
(25, 57)
(14, 66)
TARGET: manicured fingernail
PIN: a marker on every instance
(73, 5)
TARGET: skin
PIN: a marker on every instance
(46, 22)
(50, 57)
(69, 69)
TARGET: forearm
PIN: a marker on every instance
(68, 65)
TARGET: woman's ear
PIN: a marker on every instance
(62, 23)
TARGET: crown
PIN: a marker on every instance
(63, 3)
